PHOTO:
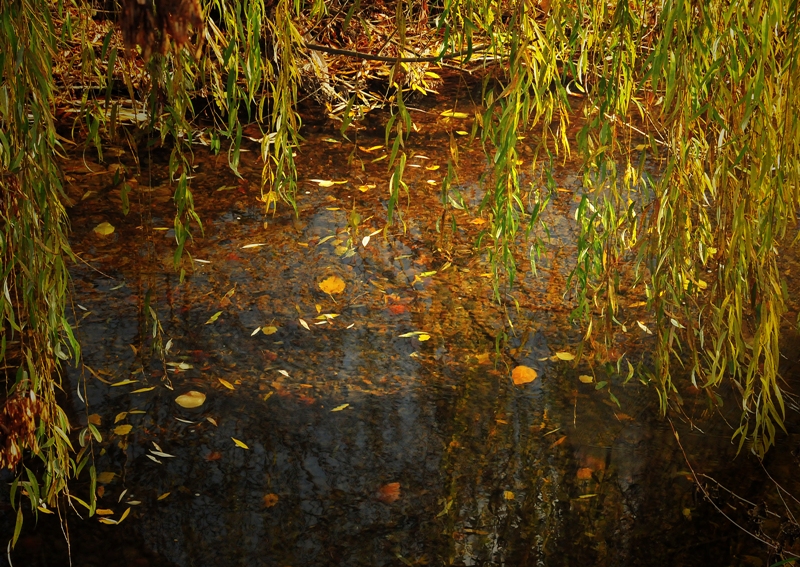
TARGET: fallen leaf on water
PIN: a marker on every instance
(191, 399)
(94, 419)
(644, 328)
(332, 284)
(388, 493)
(585, 474)
(304, 324)
(104, 229)
(582, 496)
(104, 512)
(255, 245)
(523, 374)
(269, 330)
(462, 132)
(564, 356)
(432, 167)
(212, 421)
(123, 429)
(214, 456)
(270, 500)
(226, 384)
(124, 515)
(163, 496)
(365, 188)
(239, 443)
(107, 521)
(213, 318)
(423, 337)
(142, 390)
(340, 408)
(454, 114)
(508, 495)
(370, 149)
(365, 241)
(254, 333)
(124, 382)
(586, 379)
(559, 441)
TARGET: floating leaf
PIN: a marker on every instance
(213, 318)
(94, 419)
(256, 245)
(191, 399)
(365, 188)
(142, 390)
(332, 284)
(586, 379)
(585, 474)
(454, 114)
(304, 324)
(269, 330)
(239, 443)
(123, 429)
(124, 382)
(104, 512)
(340, 408)
(431, 167)
(564, 356)
(226, 384)
(523, 374)
(104, 229)
(423, 337)
(120, 416)
(162, 496)
(644, 328)
(508, 495)
(270, 500)
(254, 333)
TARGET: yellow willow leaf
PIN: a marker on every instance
(564, 356)
(523, 374)
(454, 114)
(423, 337)
(104, 229)
(304, 324)
(226, 384)
(586, 379)
(239, 443)
(431, 167)
(120, 416)
(508, 495)
(269, 330)
(367, 187)
(163, 496)
(94, 419)
(213, 318)
(142, 390)
(123, 429)
(332, 285)
(191, 399)
(104, 512)
(340, 408)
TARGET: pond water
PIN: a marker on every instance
(333, 432)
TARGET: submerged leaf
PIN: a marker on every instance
(123, 429)
(104, 229)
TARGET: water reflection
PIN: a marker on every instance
(486, 473)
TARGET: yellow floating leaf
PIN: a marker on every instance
(340, 408)
(142, 390)
(123, 429)
(107, 521)
(226, 384)
(213, 318)
(304, 324)
(94, 419)
(586, 379)
(124, 515)
(104, 229)
(270, 500)
(523, 374)
(270, 330)
(120, 416)
(124, 382)
(239, 443)
(454, 114)
(104, 512)
(322, 182)
(478, 221)
(508, 495)
(371, 149)
(462, 132)
(423, 337)
(163, 496)
(191, 399)
(367, 187)
(431, 167)
(564, 356)
(332, 285)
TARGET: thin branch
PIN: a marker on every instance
(371, 57)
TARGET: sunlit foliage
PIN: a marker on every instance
(704, 92)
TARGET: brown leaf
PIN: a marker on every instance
(585, 474)
(388, 493)
(270, 500)
(523, 374)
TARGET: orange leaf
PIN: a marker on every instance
(523, 375)
(270, 500)
(388, 493)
